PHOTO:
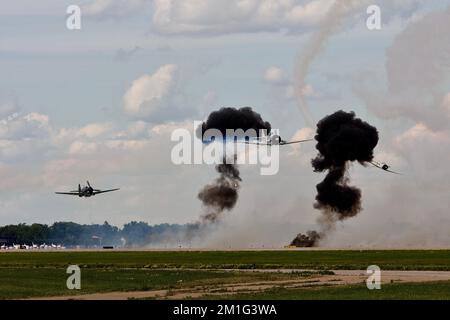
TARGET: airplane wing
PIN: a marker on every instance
(271, 144)
(377, 165)
(103, 191)
(69, 193)
(392, 171)
(280, 144)
(296, 141)
(255, 142)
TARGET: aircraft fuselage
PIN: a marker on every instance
(86, 192)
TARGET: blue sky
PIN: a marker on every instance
(212, 54)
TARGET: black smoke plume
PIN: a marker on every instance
(223, 193)
(341, 138)
(233, 118)
(309, 239)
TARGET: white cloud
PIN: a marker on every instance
(113, 8)
(297, 149)
(307, 90)
(151, 93)
(137, 128)
(274, 75)
(94, 130)
(169, 127)
(81, 147)
(126, 144)
(30, 125)
(8, 108)
(58, 170)
(309, 14)
(224, 16)
(304, 133)
(419, 134)
(64, 136)
(40, 119)
(417, 82)
(285, 85)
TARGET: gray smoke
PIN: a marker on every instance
(313, 48)
(222, 194)
(341, 138)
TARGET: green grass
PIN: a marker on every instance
(324, 260)
(30, 274)
(40, 282)
(439, 290)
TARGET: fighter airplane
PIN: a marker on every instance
(383, 166)
(86, 191)
(273, 140)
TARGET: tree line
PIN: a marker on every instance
(69, 234)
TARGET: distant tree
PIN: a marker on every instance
(38, 233)
(136, 233)
(24, 234)
(68, 233)
(72, 234)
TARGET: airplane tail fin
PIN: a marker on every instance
(79, 188)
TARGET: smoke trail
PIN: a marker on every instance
(223, 194)
(341, 138)
(314, 46)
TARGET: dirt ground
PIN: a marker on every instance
(341, 277)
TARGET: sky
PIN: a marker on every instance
(100, 104)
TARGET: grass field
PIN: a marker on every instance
(398, 291)
(41, 282)
(37, 274)
(323, 260)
